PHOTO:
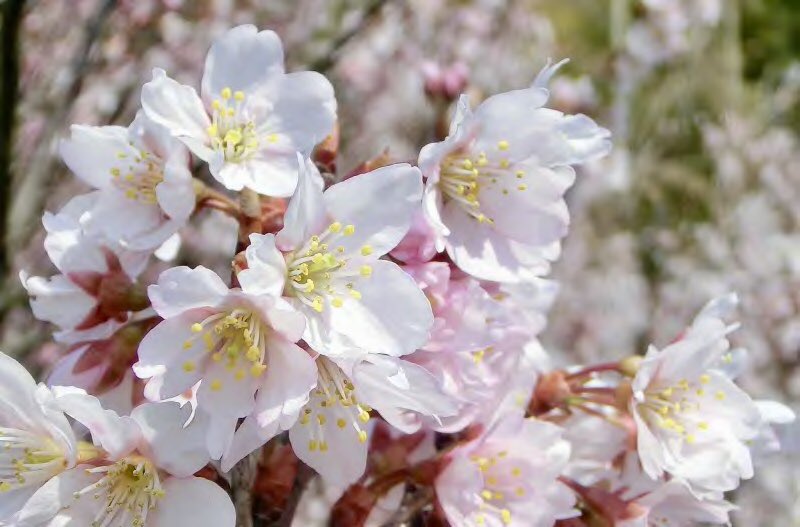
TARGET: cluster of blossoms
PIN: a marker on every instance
(384, 326)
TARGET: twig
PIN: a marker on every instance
(243, 476)
(328, 60)
(9, 93)
(408, 511)
(304, 475)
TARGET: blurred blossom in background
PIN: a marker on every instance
(700, 196)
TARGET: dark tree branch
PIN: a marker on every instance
(9, 93)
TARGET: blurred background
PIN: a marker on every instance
(700, 196)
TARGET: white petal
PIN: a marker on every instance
(175, 446)
(180, 288)
(175, 194)
(392, 317)
(59, 300)
(392, 385)
(18, 406)
(91, 152)
(53, 496)
(305, 214)
(178, 108)
(117, 435)
(344, 460)
(380, 204)
(242, 59)
(271, 173)
(266, 267)
(193, 501)
(304, 109)
(162, 356)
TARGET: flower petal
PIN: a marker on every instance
(380, 204)
(305, 214)
(266, 267)
(304, 109)
(193, 501)
(243, 58)
(91, 152)
(181, 288)
(178, 108)
(175, 446)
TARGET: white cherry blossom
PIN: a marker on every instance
(94, 291)
(144, 188)
(250, 118)
(36, 440)
(508, 477)
(692, 421)
(332, 434)
(145, 478)
(236, 343)
(326, 263)
(495, 186)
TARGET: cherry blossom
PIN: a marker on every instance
(326, 262)
(250, 118)
(235, 343)
(693, 422)
(145, 190)
(96, 289)
(36, 440)
(508, 476)
(144, 479)
(494, 187)
(332, 434)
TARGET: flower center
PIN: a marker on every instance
(27, 459)
(463, 177)
(237, 338)
(676, 408)
(232, 131)
(503, 481)
(320, 274)
(333, 401)
(137, 177)
(130, 489)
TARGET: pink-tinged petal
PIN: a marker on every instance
(18, 405)
(242, 59)
(380, 204)
(193, 501)
(171, 356)
(305, 215)
(458, 488)
(342, 460)
(92, 152)
(291, 374)
(392, 316)
(173, 444)
(287, 321)
(394, 386)
(304, 109)
(480, 251)
(181, 288)
(59, 300)
(504, 114)
(266, 267)
(57, 496)
(177, 108)
(220, 434)
(117, 217)
(175, 194)
(248, 437)
(117, 435)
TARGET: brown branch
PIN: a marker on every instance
(9, 94)
(304, 475)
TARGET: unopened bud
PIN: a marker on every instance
(630, 365)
